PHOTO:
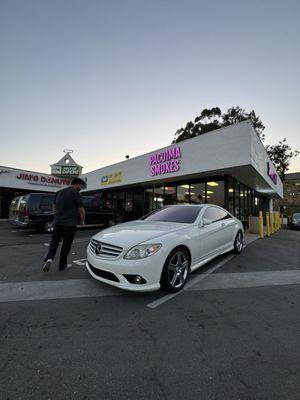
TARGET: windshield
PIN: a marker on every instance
(180, 214)
(297, 215)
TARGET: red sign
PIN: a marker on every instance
(50, 180)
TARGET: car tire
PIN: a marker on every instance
(238, 242)
(176, 270)
(47, 226)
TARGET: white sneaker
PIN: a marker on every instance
(47, 265)
(66, 268)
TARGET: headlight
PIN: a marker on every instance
(142, 251)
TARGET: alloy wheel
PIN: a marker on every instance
(239, 242)
(49, 226)
(178, 270)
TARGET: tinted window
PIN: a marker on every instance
(34, 202)
(46, 202)
(182, 214)
(223, 214)
(212, 213)
(297, 215)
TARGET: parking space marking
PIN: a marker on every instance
(248, 279)
(191, 283)
(51, 290)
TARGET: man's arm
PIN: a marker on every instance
(82, 215)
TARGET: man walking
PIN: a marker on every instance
(66, 206)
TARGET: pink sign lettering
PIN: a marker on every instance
(165, 162)
(272, 173)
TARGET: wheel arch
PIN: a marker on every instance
(181, 246)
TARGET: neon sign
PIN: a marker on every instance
(165, 162)
(272, 173)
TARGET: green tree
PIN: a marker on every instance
(211, 119)
(281, 155)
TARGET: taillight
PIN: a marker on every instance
(26, 212)
(17, 212)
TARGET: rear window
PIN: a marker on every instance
(180, 214)
(46, 202)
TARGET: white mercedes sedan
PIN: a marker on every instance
(162, 248)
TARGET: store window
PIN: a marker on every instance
(158, 197)
(170, 196)
(197, 193)
(137, 207)
(121, 203)
(215, 192)
(128, 201)
(149, 200)
(183, 195)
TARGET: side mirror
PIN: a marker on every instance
(206, 221)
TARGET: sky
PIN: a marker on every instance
(115, 78)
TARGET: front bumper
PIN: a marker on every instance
(113, 272)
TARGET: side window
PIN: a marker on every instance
(223, 214)
(212, 213)
(46, 202)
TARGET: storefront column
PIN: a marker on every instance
(271, 205)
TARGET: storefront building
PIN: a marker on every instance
(17, 182)
(229, 167)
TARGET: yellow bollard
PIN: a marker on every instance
(268, 223)
(271, 222)
(260, 224)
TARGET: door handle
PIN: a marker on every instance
(223, 224)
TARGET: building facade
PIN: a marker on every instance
(18, 182)
(291, 201)
(229, 167)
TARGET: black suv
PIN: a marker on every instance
(35, 211)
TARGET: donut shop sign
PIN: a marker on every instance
(165, 162)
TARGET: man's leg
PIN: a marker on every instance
(68, 236)
(56, 238)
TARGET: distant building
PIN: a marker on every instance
(291, 194)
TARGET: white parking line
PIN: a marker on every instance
(50, 290)
(199, 278)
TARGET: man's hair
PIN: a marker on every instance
(78, 181)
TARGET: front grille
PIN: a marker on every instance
(105, 250)
(104, 274)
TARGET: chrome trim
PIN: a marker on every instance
(107, 250)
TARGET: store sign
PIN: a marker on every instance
(43, 180)
(65, 170)
(115, 177)
(272, 173)
(165, 162)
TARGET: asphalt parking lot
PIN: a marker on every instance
(234, 333)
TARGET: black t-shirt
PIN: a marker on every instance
(67, 202)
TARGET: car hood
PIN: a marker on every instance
(132, 233)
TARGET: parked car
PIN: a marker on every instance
(162, 248)
(35, 211)
(295, 221)
(14, 210)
